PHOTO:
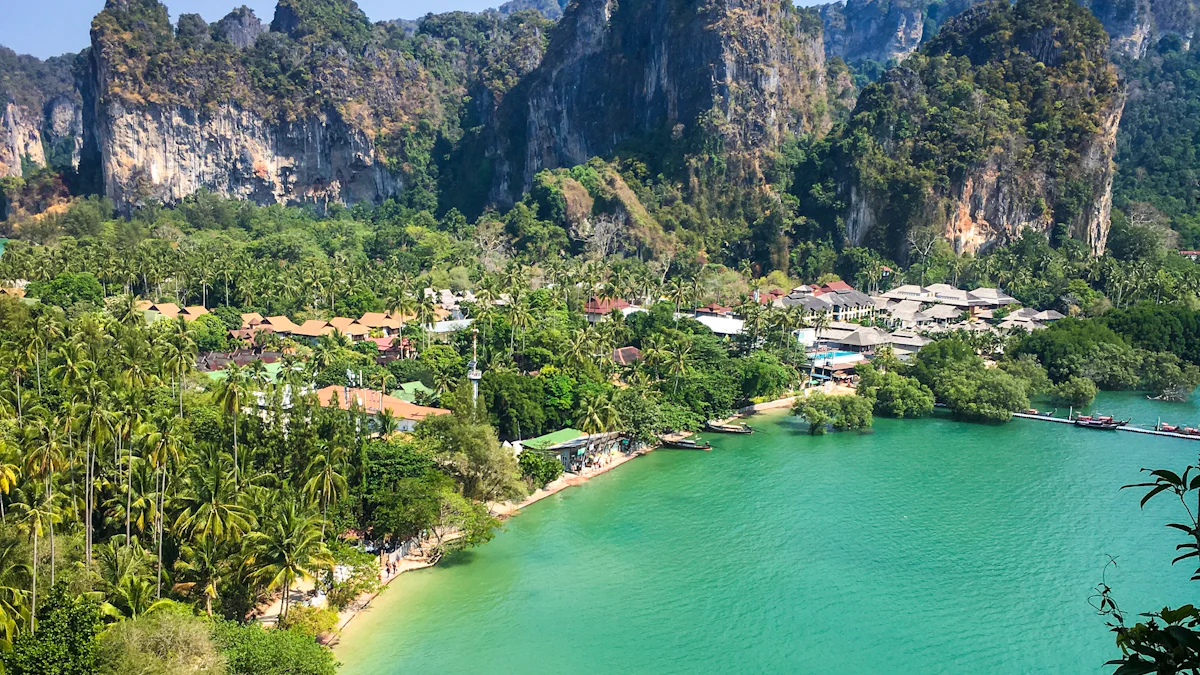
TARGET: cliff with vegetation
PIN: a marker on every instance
(324, 107)
(1005, 121)
(882, 31)
(878, 32)
(40, 113)
(728, 79)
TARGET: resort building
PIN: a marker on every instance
(597, 309)
(576, 449)
(838, 299)
(406, 415)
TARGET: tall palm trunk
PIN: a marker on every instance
(235, 445)
(50, 501)
(37, 360)
(128, 490)
(159, 527)
(87, 501)
(33, 592)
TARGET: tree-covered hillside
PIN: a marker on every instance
(988, 128)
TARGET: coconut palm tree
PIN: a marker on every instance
(207, 502)
(201, 567)
(325, 483)
(34, 518)
(14, 578)
(290, 547)
(231, 397)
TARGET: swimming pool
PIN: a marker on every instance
(834, 355)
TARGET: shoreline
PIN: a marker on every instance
(502, 510)
(505, 510)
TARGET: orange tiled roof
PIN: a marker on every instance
(313, 328)
(372, 401)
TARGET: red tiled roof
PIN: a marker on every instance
(625, 356)
(604, 305)
(832, 287)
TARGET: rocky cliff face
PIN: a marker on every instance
(1135, 25)
(322, 108)
(740, 73)
(980, 180)
(882, 30)
(890, 30)
(40, 113)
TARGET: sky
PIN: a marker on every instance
(47, 28)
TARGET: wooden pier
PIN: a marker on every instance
(1131, 429)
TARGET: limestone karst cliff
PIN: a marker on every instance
(324, 107)
(40, 113)
(976, 140)
(743, 74)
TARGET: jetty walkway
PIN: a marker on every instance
(1131, 429)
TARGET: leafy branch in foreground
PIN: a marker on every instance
(1168, 641)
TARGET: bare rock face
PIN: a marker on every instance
(20, 139)
(748, 72)
(40, 113)
(875, 30)
(1136, 25)
(170, 152)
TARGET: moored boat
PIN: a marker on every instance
(686, 444)
(724, 428)
(1101, 422)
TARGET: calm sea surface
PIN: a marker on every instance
(928, 546)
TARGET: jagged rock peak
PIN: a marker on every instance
(240, 28)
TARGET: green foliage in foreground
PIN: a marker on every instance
(843, 413)
(65, 641)
(250, 650)
(539, 468)
(1167, 641)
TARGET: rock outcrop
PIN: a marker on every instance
(1136, 25)
(992, 172)
(40, 113)
(882, 30)
(740, 74)
(322, 108)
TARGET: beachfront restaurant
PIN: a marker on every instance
(577, 450)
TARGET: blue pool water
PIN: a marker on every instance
(826, 356)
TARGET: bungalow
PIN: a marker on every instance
(576, 449)
(192, 312)
(721, 325)
(714, 309)
(597, 309)
(350, 328)
(312, 329)
(626, 356)
(406, 415)
(385, 323)
(280, 324)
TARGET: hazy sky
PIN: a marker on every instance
(52, 27)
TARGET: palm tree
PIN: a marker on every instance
(681, 361)
(202, 566)
(325, 483)
(14, 578)
(207, 502)
(8, 473)
(181, 354)
(289, 548)
(34, 518)
(231, 395)
(43, 457)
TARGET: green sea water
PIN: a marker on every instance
(928, 546)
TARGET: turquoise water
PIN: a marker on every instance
(821, 356)
(928, 546)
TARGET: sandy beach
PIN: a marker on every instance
(419, 557)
